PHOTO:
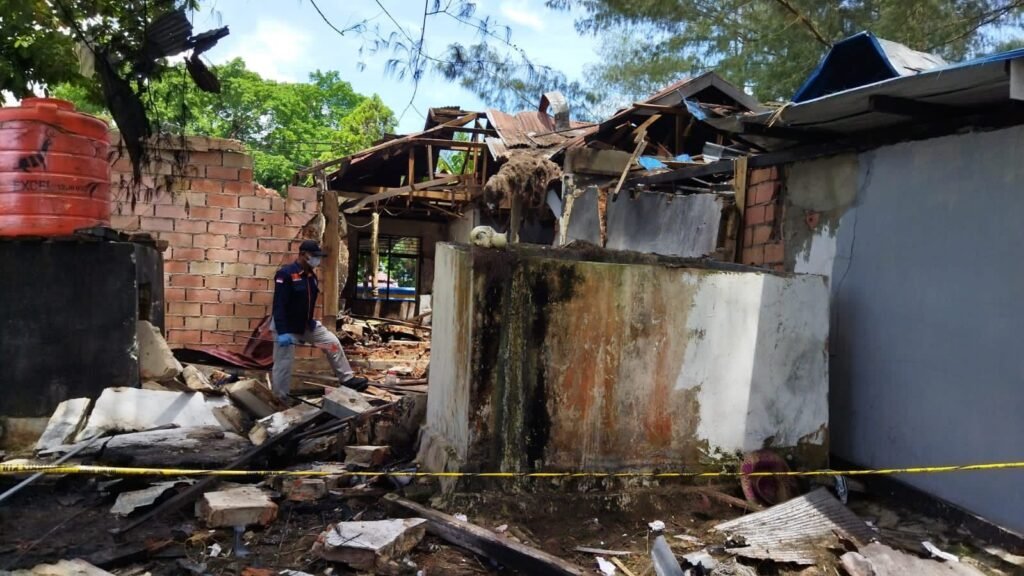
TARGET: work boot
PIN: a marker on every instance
(357, 383)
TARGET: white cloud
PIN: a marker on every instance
(521, 13)
(274, 50)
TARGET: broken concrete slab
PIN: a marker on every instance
(242, 506)
(370, 546)
(231, 418)
(279, 422)
(303, 489)
(65, 423)
(75, 567)
(206, 446)
(367, 456)
(197, 381)
(344, 403)
(877, 559)
(128, 502)
(799, 531)
(255, 398)
(156, 361)
(132, 410)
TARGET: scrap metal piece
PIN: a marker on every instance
(796, 531)
(665, 563)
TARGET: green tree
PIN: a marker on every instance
(771, 46)
(285, 125)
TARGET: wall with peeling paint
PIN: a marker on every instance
(601, 360)
(922, 241)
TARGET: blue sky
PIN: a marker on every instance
(286, 39)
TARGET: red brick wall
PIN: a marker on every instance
(762, 220)
(227, 236)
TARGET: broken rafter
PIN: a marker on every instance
(393, 192)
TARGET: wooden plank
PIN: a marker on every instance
(449, 144)
(641, 143)
(430, 162)
(332, 245)
(591, 161)
(393, 192)
(486, 543)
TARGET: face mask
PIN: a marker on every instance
(314, 261)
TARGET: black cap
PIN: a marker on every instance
(311, 247)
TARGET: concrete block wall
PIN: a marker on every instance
(227, 236)
(762, 220)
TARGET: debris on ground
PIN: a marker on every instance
(128, 502)
(156, 361)
(63, 568)
(367, 456)
(377, 546)
(877, 559)
(242, 506)
(65, 423)
(345, 402)
(663, 559)
(255, 397)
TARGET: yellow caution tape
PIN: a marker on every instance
(52, 469)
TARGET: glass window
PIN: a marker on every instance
(398, 268)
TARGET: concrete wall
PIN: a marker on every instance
(549, 359)
(226, 235)
(686, 226)
(922, 241)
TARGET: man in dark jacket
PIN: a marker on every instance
(295, 293)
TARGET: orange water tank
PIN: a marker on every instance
(54, 169)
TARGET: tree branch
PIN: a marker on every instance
(806, 22)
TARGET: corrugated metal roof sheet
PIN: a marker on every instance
(530, 129)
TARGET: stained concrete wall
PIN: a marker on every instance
(666, 224)
(565, 360)
(922, 241)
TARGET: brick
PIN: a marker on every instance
(186, 280)
(210, 158)
(286, 232)
(239, 269)
(302, 193)
(204, 268)
(209, 240)
(184, 337)
(774, 253)
(214, 338)
(221, 283)
(240, 216)
(243, 243)
(190, 226)
(237, 160)
(174, 294)
(222, 200)
(269, 245)
(174, 267)
(254, 203)
(189, 253)
(254, 231)
(124, 222)
(754, 215)
(245, 175)
(247, 257)
(227, 228)
(193, 199)
(753, 255)
(265, 272)
(762, 235)
(208, 187)
(202, 295)
(240, 188)
(176, 239)
(255, 284)
(184, 309)
(222, 255)
(222, 309)
(250, 311)
(235, 296)
(173, 322)
(206, 213)
(275, 216)
(763, 193)
(759, 175)
(233, 324)
(201, 323)
(171, 212)
(277, 203)
(292, 205)
(222, 173)
(264, 298)
(748, 237)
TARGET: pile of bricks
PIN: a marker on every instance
(227, 236)
(762, 220)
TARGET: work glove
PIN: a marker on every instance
(286, 340)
